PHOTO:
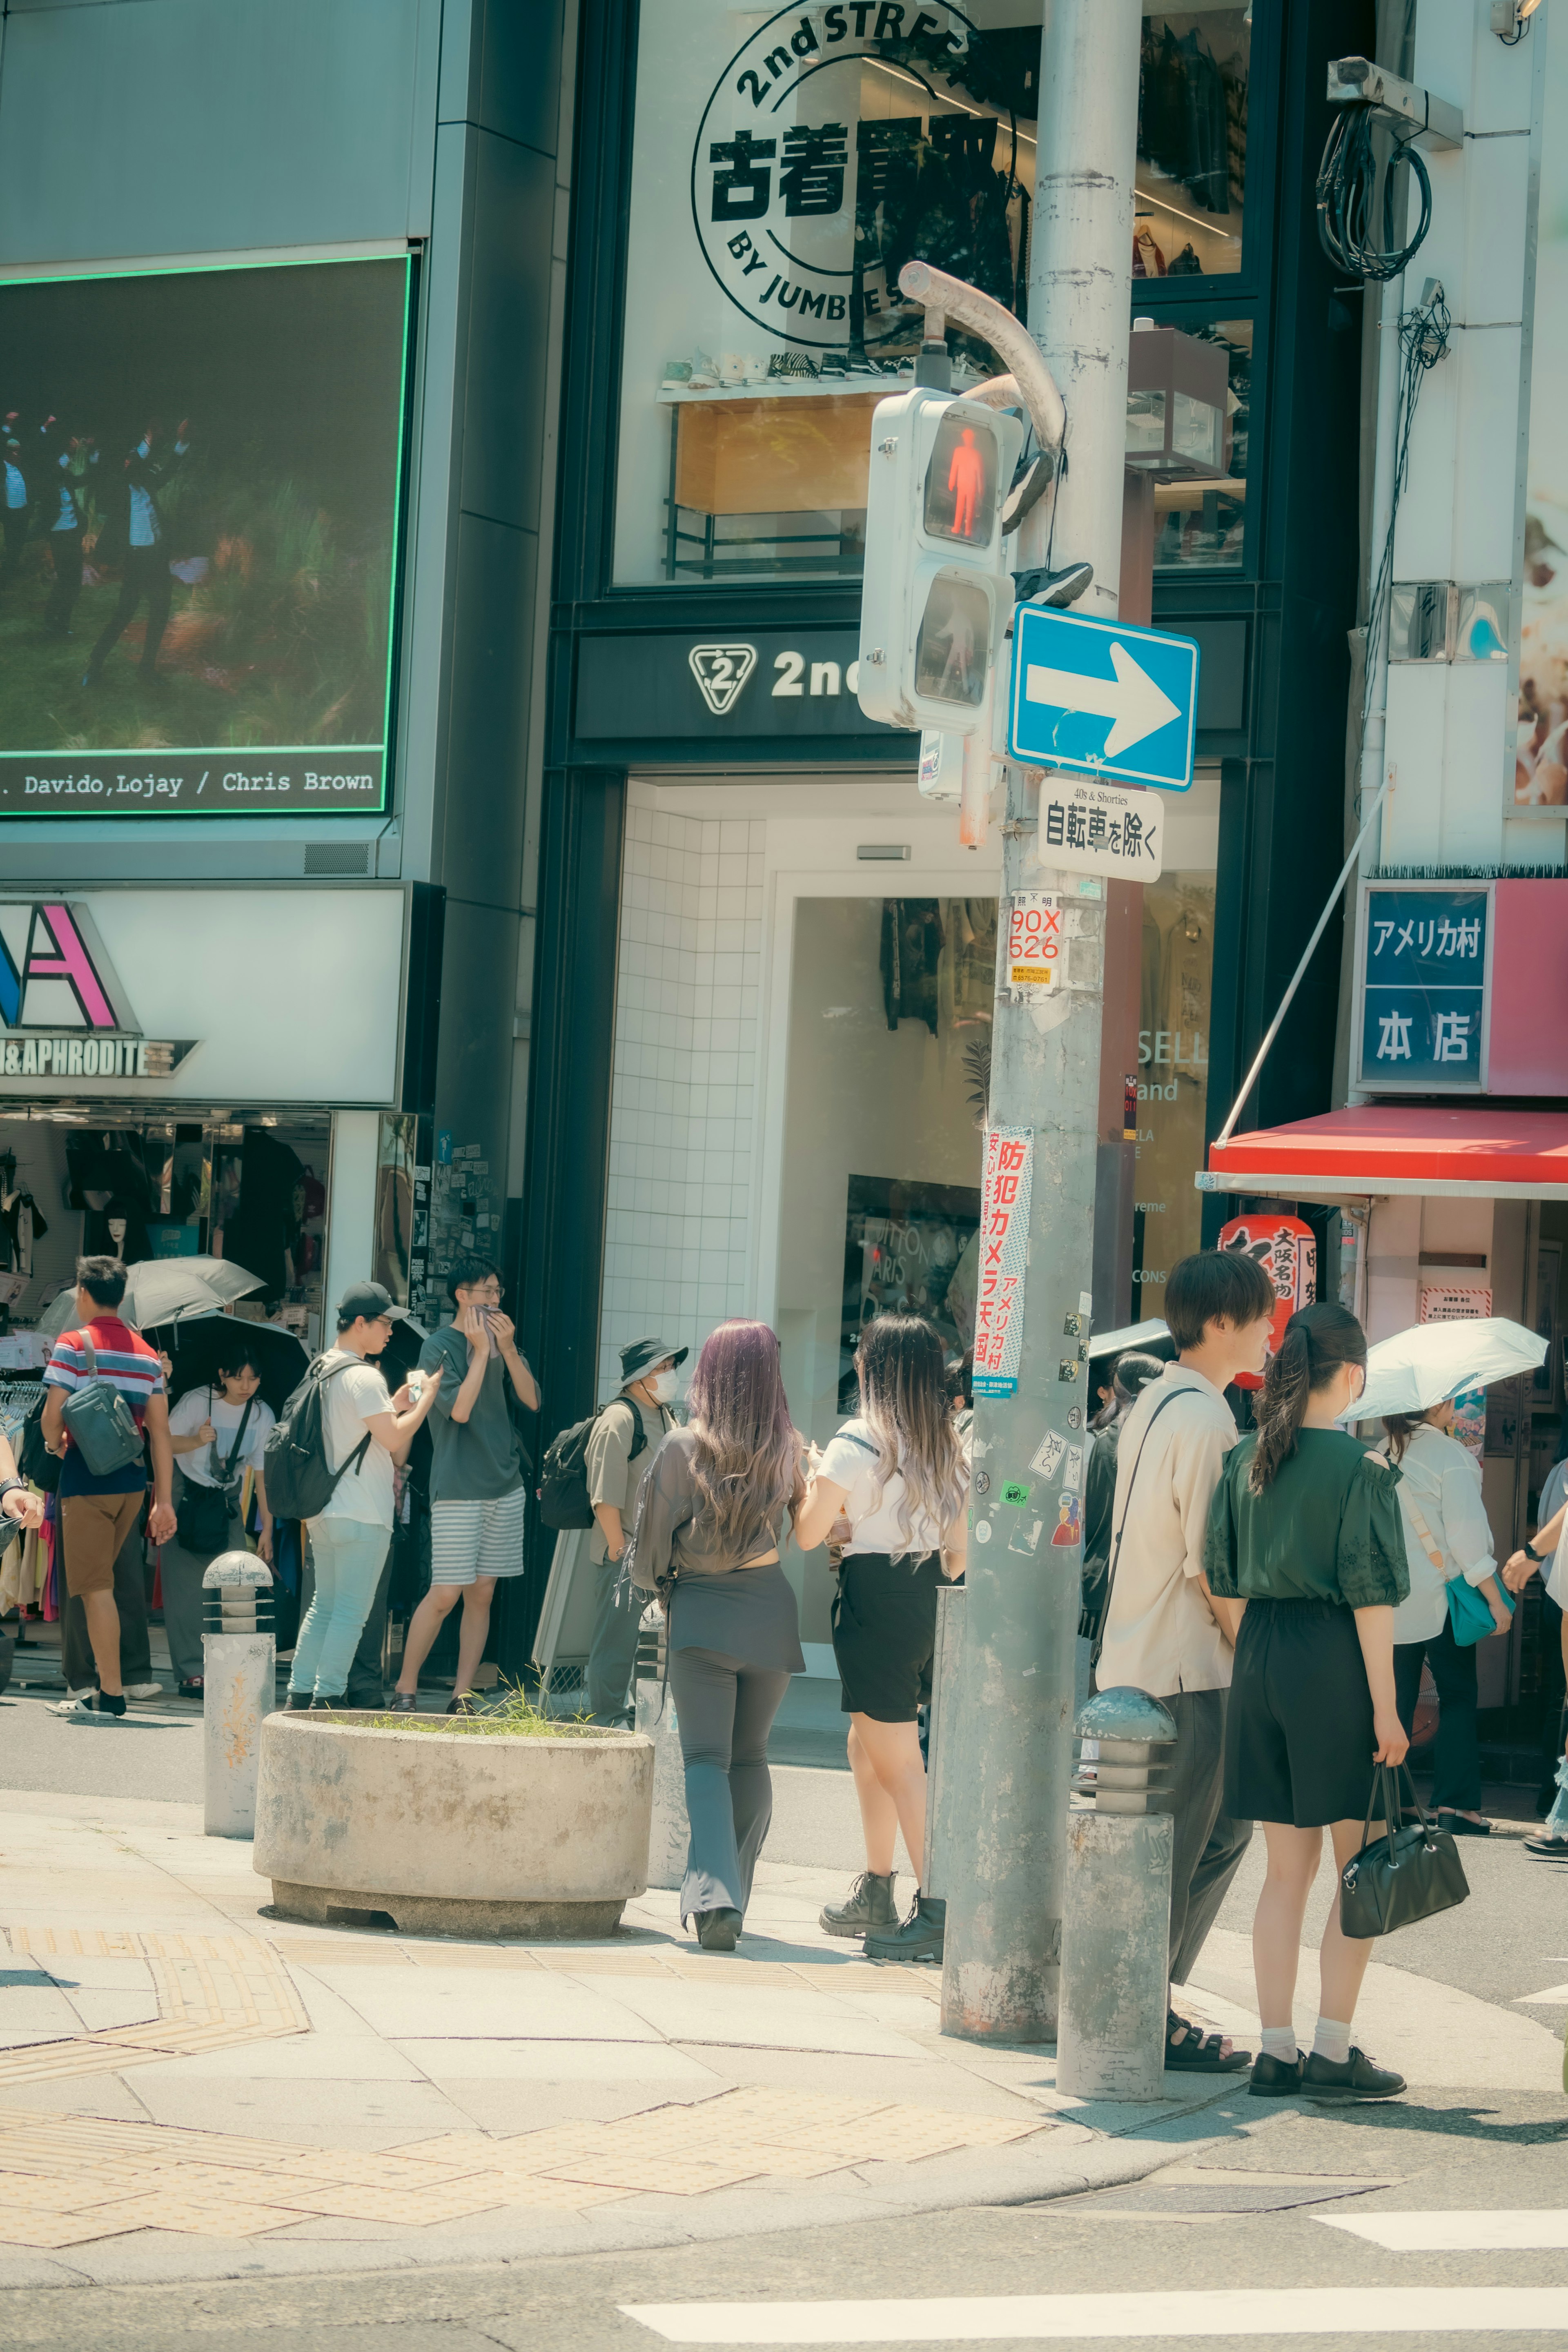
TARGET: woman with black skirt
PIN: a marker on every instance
(1305, 1530)
(897, 1478)
(706, 1538)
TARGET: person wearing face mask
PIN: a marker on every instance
(479, 1497)
(623, 1440)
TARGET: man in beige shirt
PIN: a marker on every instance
(623, 1442)
(1165, 1632)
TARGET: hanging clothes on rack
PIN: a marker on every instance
(911, 949)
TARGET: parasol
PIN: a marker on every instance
(1432, 1362)
(197, 1342)
(157, 1289)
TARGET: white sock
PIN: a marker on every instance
(1279, 2042)
(1331, 2041)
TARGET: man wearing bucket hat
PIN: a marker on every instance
(623, 1443)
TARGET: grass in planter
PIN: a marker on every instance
(515, 1718)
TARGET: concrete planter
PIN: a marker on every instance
(449, 1833)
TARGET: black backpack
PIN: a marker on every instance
(563, 1480)
(300, 1486)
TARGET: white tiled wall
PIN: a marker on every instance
(683, 1113)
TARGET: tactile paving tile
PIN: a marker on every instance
(214, 1992)
(415, 2208)
(222, 2216)
(48, 2233)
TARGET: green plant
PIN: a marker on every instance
(513, 1717)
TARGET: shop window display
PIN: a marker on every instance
(784, 167)
(889, 1038)
(1200, 523)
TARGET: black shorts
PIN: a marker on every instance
(884, 1633)
(1298, 1739)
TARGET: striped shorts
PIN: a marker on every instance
(473, 1539)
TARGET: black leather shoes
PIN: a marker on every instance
(1358, 2078)
(1275, 2078)
(717, 1931)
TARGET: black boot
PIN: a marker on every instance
(919, 1937)
(871, 1906)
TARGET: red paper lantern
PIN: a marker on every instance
(1287, 1250)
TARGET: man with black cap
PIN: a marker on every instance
(622, 1444)
(367, 1433)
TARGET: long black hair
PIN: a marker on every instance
(1317, 1340)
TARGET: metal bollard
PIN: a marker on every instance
(670, 1832)
(942, 1789)
(1116, 1911)
(240, 1653)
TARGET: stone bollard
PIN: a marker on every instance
(670, 1833)
(941, 1791)
(1116, 1908)
(240, 1675)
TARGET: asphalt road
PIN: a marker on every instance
(1247, 2217)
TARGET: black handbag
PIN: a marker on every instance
(1408, 1873)
(202, 1517)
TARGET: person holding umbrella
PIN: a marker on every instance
(217, 1432)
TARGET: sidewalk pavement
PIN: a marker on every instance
(189, 2088)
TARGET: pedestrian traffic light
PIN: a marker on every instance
(935, 596)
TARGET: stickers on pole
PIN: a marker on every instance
(1004, 1251)
(1033, 963)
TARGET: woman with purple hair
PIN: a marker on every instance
(707, 1540)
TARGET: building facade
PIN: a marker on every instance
(765, 966)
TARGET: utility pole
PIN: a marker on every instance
(1010, 1728)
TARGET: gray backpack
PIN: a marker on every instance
(101, 1422)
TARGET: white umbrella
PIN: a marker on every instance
(1420, 1367)
(157, 1289)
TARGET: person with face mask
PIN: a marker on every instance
(479, 1495)
(623, 1443)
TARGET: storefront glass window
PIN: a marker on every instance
(1173, 1041)
(783, 169)
(1199, 522)
(1192, 142)
(890, 1031)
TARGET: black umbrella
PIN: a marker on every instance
(197, 1342)
(401, 1353)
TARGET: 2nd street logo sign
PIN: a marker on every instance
(803, 211)
(721, 672)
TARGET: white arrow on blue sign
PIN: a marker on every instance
(1103, 697)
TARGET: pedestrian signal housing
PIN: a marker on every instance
(936, 592)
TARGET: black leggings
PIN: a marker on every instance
(1456, 1784)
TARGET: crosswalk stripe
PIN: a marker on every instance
(1477, 2232)
(1035, 2319)
(1552, 1992)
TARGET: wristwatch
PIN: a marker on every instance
(1529, 1549)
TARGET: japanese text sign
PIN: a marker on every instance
(1286, 1249)
(1423, 964)
(1094, 828)
(1003, 1257)
(1034, 944)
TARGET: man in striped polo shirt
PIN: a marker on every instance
(98, 1512)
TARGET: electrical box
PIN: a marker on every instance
(936, 595)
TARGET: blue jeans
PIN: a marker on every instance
(348, 1556)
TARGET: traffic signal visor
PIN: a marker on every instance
(936, 594)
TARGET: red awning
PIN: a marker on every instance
(1384, 1148)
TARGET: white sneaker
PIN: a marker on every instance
(145, 1690)
(85, 1710)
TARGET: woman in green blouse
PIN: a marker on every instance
(1306, 1531)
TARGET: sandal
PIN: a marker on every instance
(1197, 2053)
(405, 1702)
(1460, 1824)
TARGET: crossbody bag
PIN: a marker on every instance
(201, 1522)
(1092, 1622)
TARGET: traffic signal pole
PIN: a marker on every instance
(1011, 1727)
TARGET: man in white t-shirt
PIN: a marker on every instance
(367, 1432)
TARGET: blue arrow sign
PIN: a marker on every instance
(1103, 697)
